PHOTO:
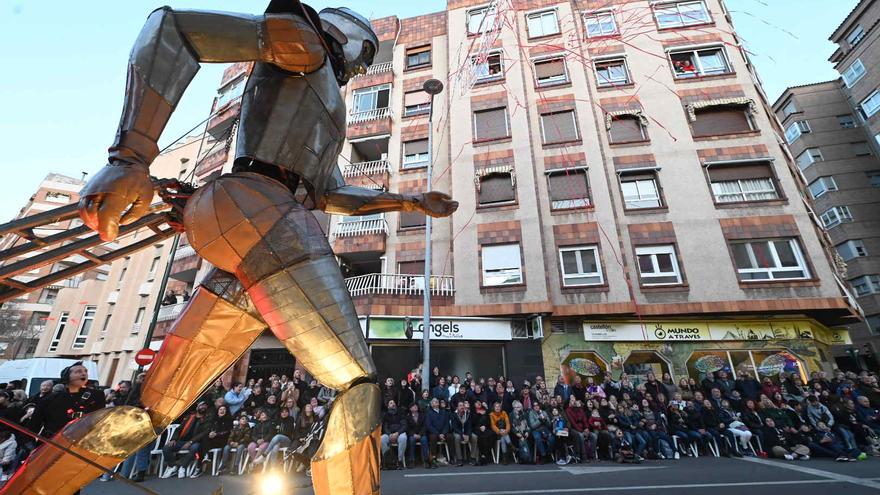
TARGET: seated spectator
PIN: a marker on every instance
(769, 388)
(560, 432)
(463, 432)
(724, 438)
(624, 449)
(239, 438)
(326, 395)
(389, 392)
(686, 388)
(415, 432)
(632, 430)
(424, 402)
(735, 426)
(601, 437)
(594, 391)
(235, 398)
(8, 448)
(485, 435)
(753, 421)
(579, 431)
(394, 431)
(826, 444)
(855, 433)
(500, 423)
(181, 449)
(284, 437)
(462, 395)
(869, 416)
(261, 434)
(782, 444)
(319, 410)
(271, 408)
(218, 435)
(696, 423)
(440, 391)
(520, 433)
(542, 432)
(437, 427)
(659, 440)
(678, 426)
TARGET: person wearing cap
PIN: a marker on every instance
(181, 448)
(59, 408)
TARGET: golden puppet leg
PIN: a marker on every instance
(209, 335)
(106, 437)
(347, 463)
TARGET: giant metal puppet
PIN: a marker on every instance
(274, 265)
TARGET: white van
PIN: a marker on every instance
(37, 370)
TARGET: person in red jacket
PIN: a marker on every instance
(579, 429)
(599, 431)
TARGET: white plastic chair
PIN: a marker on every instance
(161, 441)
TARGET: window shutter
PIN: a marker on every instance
(757, 170)
(568, 185)
(496, 188)
(559, 127)
(549, 68)
(411, 267)
(415, 147)
(490, 124)
(416, 98)
(385, 53)
(715, 121)
(626, 129)
(411, 219)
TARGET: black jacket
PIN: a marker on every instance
(59, 408)
(287, 426)
(392, 422)
(264, 430)
(463, 425)
(415, 426)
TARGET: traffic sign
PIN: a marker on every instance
(144, 357)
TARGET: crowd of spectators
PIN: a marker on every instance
(467, 420)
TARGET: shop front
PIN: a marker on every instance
(483, 346)
(693, 348)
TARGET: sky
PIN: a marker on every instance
(65, 65)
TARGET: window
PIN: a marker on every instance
(415, 154)
(808, 157)
(873, 178)
(743, 182)
(626, 129)
(789, 109)
(59, 331)
(48, 296)
(855, 36)
(496, 187)
(371, 98)
(138, 319)
(502, 265)
(658, 265)
(57, 197)
(861, 148)
(412, 219)
(154, 265)
(699, 63)
(847, 121)
(481, 20)
(722, 119)
(419, 56)
(779, 259)
(853, 73)
(866, 284)
(600, 24)
(870, 105)
(612, 72)
(551, 71)
(559, 127)
(854, 248)
(568, 189)
(822, 185)
(835, 216)
(678, 14)
(542, 23)
(795, 129)
(489, 69)
(85, 325)
(580, 266)
(231, 92)
(640, 190)
(107, 319)
(491, 124)
(416, 103)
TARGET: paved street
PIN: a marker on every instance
(690, 476)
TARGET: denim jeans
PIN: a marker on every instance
(139, 461)
(411, 440)
(227, 452)
(170, 452)
(278, 441)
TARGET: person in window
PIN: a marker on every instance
(684, 67)
(239, 438)
(394, 431)
(499, 420)
(415, 432)
(541, 428)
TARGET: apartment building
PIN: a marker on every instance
(837, 163)
(106, 318)
(625, 204)
(23, 320)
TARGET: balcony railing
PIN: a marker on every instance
(379, 68)
(366, 168)
(170, 312)
(398, 284)
(363, 227)
(184, 252)
(367, 115)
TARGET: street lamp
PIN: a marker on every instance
(433, 87)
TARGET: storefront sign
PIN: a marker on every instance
(379, 327)
(663, 331)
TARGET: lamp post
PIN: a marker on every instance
(433, 87)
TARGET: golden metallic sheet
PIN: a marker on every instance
(106, 437)
(208, 336)
(351, 472)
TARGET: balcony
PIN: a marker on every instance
(184, 251)
(212, 162)
(368, 115)
(378, 68)
(361, 227)
(361, 169)
(170, 312)
(360, 235)
(222, 119)
(185, 264)
(398, 284)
